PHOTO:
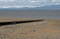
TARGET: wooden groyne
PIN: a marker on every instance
(19, 22)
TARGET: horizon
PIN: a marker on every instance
(30, 8)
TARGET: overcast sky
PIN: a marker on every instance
(27, 3)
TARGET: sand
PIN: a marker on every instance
(47, 29)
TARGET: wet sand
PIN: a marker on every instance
(47, 29)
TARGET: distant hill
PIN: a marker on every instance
(50, 7)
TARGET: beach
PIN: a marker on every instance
(47, 29)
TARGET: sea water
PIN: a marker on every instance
(30, 13)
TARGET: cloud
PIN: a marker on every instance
(7, 0)
(27, 3)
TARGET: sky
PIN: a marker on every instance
(27, 3)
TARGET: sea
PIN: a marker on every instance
(26, 13)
